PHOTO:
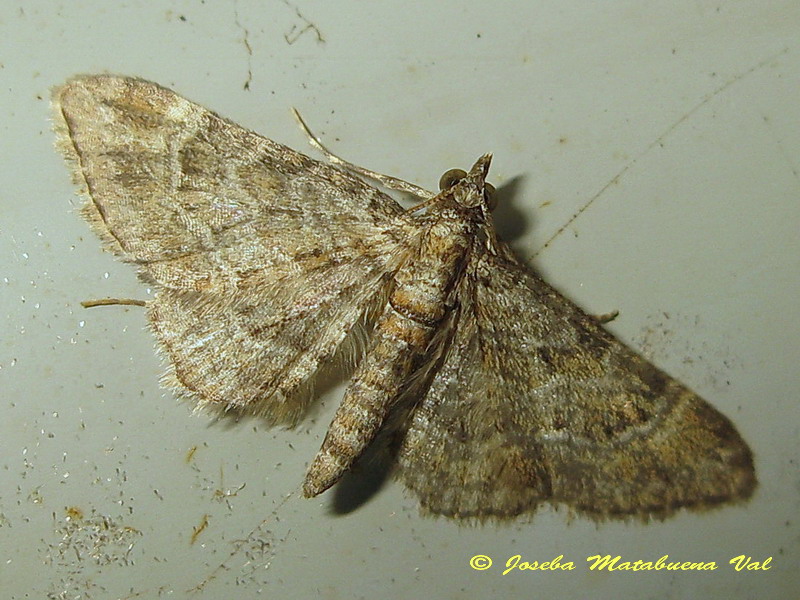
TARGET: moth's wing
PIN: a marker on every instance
(535, 402)
(202, 204)
(233, 229)
(258, 357)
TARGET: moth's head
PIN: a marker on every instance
(471, 190)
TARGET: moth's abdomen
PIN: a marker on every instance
(416, 307)
(367, 401)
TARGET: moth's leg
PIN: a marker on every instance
(113, 302)
(393, 183)
(606, 317)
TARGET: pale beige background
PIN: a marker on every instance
(678, 123)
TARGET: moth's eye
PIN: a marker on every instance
(491, 197)
(451, 177)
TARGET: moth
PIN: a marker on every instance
(503, 394)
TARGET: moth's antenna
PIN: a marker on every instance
(393, 183)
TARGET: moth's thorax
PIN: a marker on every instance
(423, 285)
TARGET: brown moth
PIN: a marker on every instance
(265, 261)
